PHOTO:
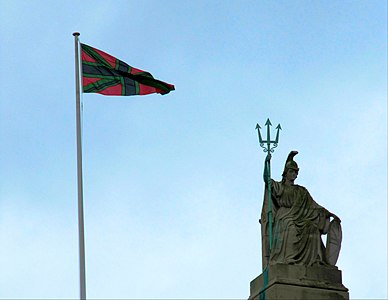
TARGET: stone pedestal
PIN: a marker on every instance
(298, 282)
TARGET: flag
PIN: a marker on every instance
(104, 74)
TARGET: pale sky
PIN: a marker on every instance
(173, 184)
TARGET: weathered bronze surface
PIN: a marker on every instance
(298, 223)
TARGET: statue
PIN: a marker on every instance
(296, 263)
(298, 222)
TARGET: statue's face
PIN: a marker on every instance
(291, 175)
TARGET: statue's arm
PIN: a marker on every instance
(324, 220)
(331, 215)
(276, 189)
(335, 217)
(266, 171)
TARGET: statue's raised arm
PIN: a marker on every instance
(266, 171)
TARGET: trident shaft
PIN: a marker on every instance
(268, 146)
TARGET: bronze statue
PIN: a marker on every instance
(298, 223)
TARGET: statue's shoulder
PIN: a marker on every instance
(300, 187)
(277, 183)
(277, 188)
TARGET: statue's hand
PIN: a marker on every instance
(268, 157)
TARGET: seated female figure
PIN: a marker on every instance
(298, 223)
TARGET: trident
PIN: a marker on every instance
(267, 148)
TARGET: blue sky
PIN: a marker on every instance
(172, 184)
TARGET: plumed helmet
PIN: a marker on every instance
(290, 163)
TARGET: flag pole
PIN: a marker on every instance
(81, 239)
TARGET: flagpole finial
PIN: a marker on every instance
(76, 33)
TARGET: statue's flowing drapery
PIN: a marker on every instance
(298, 223)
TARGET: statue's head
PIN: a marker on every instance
(290, 164)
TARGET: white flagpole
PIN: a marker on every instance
(81, 238)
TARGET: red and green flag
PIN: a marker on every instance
(104, 74)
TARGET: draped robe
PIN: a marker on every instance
(298, 222)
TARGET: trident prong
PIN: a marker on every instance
(268, 124)
(259, 134)
(277, 133)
